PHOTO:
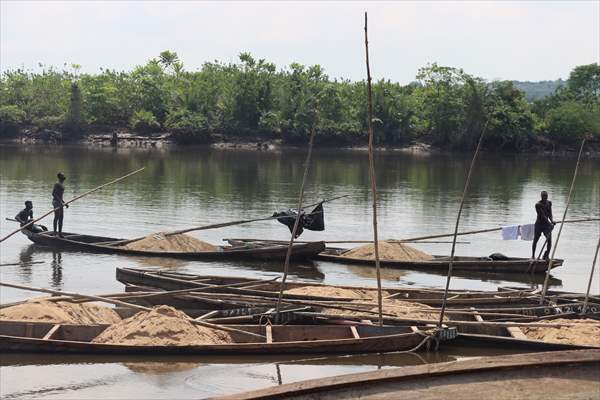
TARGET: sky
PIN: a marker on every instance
(538, 40)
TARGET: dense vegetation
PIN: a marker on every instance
(444, 106)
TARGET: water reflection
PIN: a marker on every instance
(56, 265)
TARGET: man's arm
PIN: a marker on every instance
(550, 214)
(18, 218)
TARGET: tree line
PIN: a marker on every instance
(444, 106)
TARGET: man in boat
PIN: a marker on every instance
(26, 215)
(58, 203)
(543, 224)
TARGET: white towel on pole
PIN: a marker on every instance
(527, 232)
(510, 232)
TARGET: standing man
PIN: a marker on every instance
(58, 203)
(543, 224)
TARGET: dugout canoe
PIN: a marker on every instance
(441, 263)
(43, 337)
(168, 280)
(102, 244)
(571, 374)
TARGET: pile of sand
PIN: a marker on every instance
(60, 312)
(332, 291)
(585, 333)
(398, 308)
(388, 251)
(160, 242)
(162, 326)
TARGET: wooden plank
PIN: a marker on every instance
(354, 332)
(269, 330)
(516, 332)
(476, 314)
(51, 332)
(208, 315)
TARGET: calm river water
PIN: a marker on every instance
(419, 195)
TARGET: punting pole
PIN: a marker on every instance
(545, 288)
(372, 176)
(288, 254)
(587, 293)
(69, 202)
(460, 208)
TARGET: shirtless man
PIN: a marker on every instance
(26, 215)
(543, 224)
(58, 203)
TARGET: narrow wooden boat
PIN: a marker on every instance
(41, 337)
(441, 263)
(101, 244)
(532, 376)
(167, 280)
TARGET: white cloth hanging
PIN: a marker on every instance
(510, 232)
(527, 232)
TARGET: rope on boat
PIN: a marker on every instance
(587, 293)
(547, 278)
(462, 202)
(372, 178)
(288, 255)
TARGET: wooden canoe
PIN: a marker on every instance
(42, 337)
(90, 243)
(572, 374)
(168, 280)
(441, 263)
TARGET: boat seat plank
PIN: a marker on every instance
(52, 332)
(354, 332)
(269, 331)
(516, 332)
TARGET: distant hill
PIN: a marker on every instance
(538, 90)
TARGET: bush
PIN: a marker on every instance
(11, 118)
(144, 122)
(570, 122)
(187, 127)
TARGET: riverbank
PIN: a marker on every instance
(125, 138)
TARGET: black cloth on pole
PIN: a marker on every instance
(314, 221)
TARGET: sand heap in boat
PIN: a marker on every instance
(60, 312)
(388, 251)
(332, 291)
(162, 326)
(177, 243)
(393, 307)
(586, 332)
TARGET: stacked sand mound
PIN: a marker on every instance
(162, 326)
(60, 312)
(332, 291)
(397, 308)
(160, 242)
(585, 333)
(388, 251)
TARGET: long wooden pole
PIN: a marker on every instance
(547, 278)
(372, 176)
(286, 264)
(123, 304)
(587, 293)
(69, 202)
(460, 208)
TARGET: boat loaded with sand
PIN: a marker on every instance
(402, 256)
(530, 376)
(175, 246)
(165, 330)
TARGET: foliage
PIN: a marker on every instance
(11, 118)
(445, 106)
(144, 122)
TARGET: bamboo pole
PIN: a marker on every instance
(372, 176)
(286, 264)
(587, 293)
(250, 240)
(124, 304)
(460, 208)
(546, 279)
(69, 202)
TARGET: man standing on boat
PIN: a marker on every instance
(543, 224)
(58, 203)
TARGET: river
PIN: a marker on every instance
(418, 195)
